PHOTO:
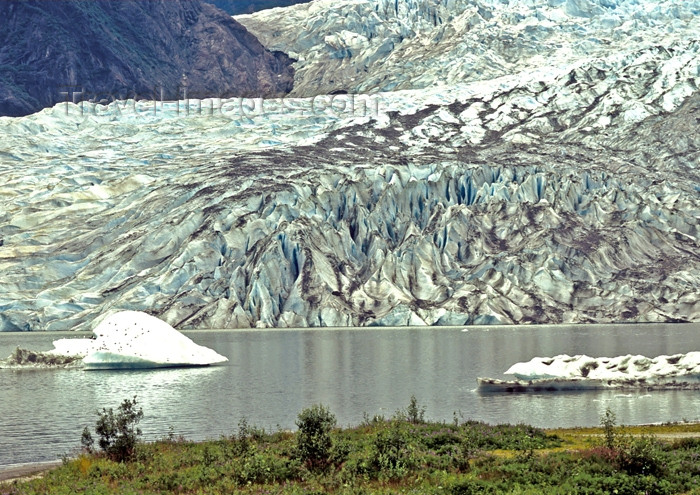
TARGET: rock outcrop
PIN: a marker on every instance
(115, 49)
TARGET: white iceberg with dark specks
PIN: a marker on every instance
(136, 340)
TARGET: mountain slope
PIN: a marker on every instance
(117, 49)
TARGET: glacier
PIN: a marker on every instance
(677, 372)
(132, 340)
(563, 189)
(362, 46)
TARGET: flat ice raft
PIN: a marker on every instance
(136, 340)
(679, 371)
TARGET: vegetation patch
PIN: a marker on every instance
(403, 454)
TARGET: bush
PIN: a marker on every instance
(262, 468)
(244, 443)
(118, 432)
(413, 413)
(687, 444)
(373, 421)
(484, 436)
(314, 443)
(608, 423)
(637, 457)
(641, 457)
(391, 453)
(471, 487)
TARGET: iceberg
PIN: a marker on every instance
(581, 372)
(136, 340)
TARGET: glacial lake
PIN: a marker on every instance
(274, 374)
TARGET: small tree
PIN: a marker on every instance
(118, 432)
(314, 443)
(87, 441)
(608, 423)
(415, 413)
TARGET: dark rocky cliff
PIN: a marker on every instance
(129, 48)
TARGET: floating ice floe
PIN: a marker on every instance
(135, 340)
(563, 372)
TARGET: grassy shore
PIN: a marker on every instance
(403, 454)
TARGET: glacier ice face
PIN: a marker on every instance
(680, 371)
(559, 194)
(136, 340)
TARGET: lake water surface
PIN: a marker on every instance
(274, 374)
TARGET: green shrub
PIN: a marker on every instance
(440, 439)
(264, 468)
(607, 421)
(118, 433)
(314, 443)
(471, 487)
(244, 443)
(642, 456)
(339, 452)
(374, 420)
(413, 413)
(391, 453)
(687, 444)
(505, 436)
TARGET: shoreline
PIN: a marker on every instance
(466, 327)
(23, 472)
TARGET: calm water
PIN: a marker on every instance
(273, 374)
